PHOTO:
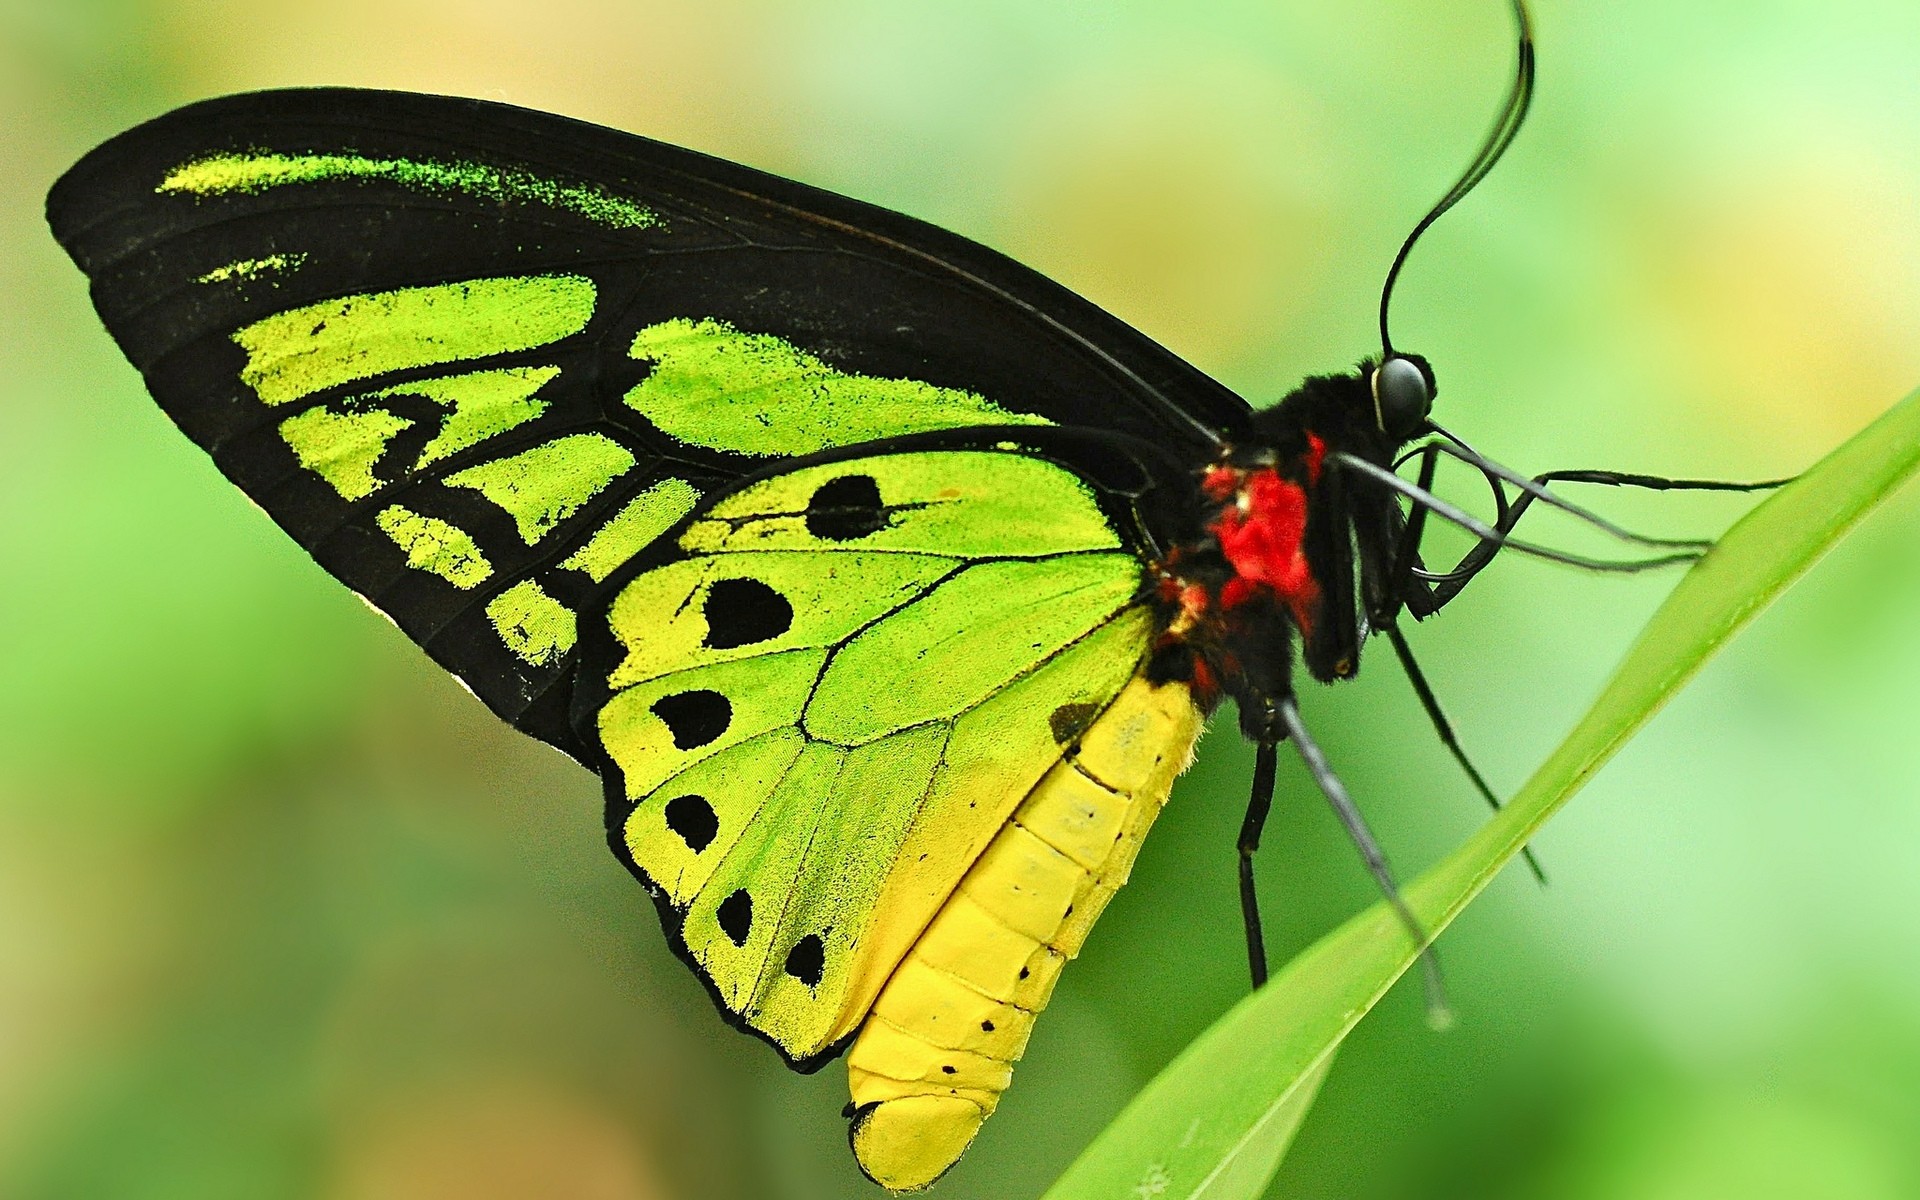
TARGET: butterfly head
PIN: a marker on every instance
(1402, 388)
(1372, 412)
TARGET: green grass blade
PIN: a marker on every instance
(1217, 1121)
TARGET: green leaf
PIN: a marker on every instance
(1217, 1121)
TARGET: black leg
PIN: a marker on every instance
(1386, 620)
(1438, 1013)
(1406, 553)
(1256, 819)
(1444, 728)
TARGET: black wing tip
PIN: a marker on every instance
(85, 189)
(113, 177)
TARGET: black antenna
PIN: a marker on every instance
(1512, 114)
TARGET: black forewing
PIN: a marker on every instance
(865, 290)
(871, 290)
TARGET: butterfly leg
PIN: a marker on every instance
(1444, 729)
(1401, 584)
(1439, 1015)
(1256, 819)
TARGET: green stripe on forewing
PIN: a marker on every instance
(343, 440)
(434, 546)
(544, 486)
(535, 626)
(252, 268)
(752, 393)
(257, 172)
(485, 404)
(342, 447)
(305, 350)
(642, 519)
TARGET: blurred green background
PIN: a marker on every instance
(284, 913)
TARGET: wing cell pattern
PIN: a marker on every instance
(823, 713)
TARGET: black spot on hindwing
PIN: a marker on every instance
(1069, 721)
(846, 508)
(807, 960)
(694, 718)
(693, 819)
(736, 917)
(740, 612)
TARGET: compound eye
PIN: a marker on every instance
(1401, 397)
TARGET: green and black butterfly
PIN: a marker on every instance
(885, 583)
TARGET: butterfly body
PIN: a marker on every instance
(884, 583)
(1270, 572)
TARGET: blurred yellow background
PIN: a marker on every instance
(284, 913)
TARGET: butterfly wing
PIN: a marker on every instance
(822, 696)
(473, 357)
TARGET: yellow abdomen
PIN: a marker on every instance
(939, 1048)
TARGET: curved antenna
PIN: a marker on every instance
(1512, 115)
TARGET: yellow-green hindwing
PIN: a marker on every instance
(819, 716)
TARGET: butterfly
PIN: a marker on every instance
(885, 584)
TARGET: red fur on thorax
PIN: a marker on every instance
(1316, 455)
(1220, 483)
(1262, 541)
(1205, 687)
